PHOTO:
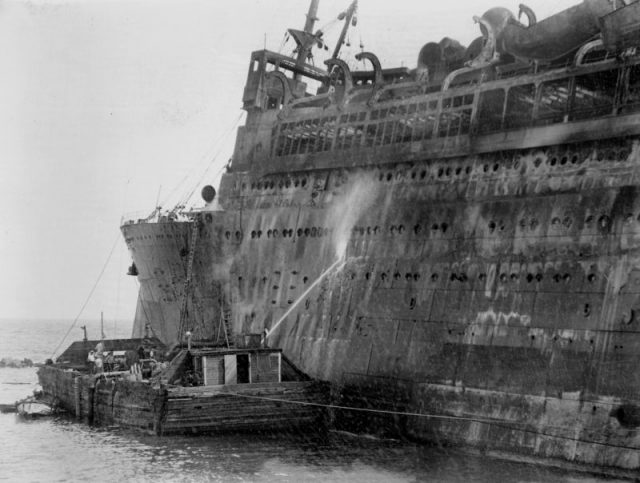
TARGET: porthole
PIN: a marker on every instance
(434, 277)
(417, 229)
(605, 222)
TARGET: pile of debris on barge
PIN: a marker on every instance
(144, 385)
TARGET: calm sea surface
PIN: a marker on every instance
(62, 450)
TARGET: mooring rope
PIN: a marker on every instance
(490, 422)
(84, 305)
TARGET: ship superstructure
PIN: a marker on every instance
(486, 210)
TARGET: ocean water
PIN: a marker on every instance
(61, 449)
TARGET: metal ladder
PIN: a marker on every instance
(187, 280)
(225, 319)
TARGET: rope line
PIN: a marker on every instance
(84, 305)
(489, 422)
(221, 146)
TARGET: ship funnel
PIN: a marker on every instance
(436, 59)
(549, 39)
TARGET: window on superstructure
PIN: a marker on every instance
(379, 134)
(632, 94)
(329, 131)
(403, 131)
(424, 121)
(358, 135)
(520, 103)
(554, 100)
(319, 145)
(340, 138)
(305, 136)
(297, 137)
(594, 94)
(389, 129)
(455, 118)
(313, 135)
(371, 134)
(490, 109)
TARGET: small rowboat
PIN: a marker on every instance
(32, 408)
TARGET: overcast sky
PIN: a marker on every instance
(106, 104)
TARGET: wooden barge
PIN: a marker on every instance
(201, 390)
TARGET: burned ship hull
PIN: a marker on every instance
(490, 232)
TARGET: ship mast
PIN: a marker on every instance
(348, 15)
(305, 38)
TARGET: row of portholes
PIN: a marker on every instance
(463, 277)
(572, 158)
(604, 222)
(282, 184)
(312, 232)
(422, 173)
(398, 229)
